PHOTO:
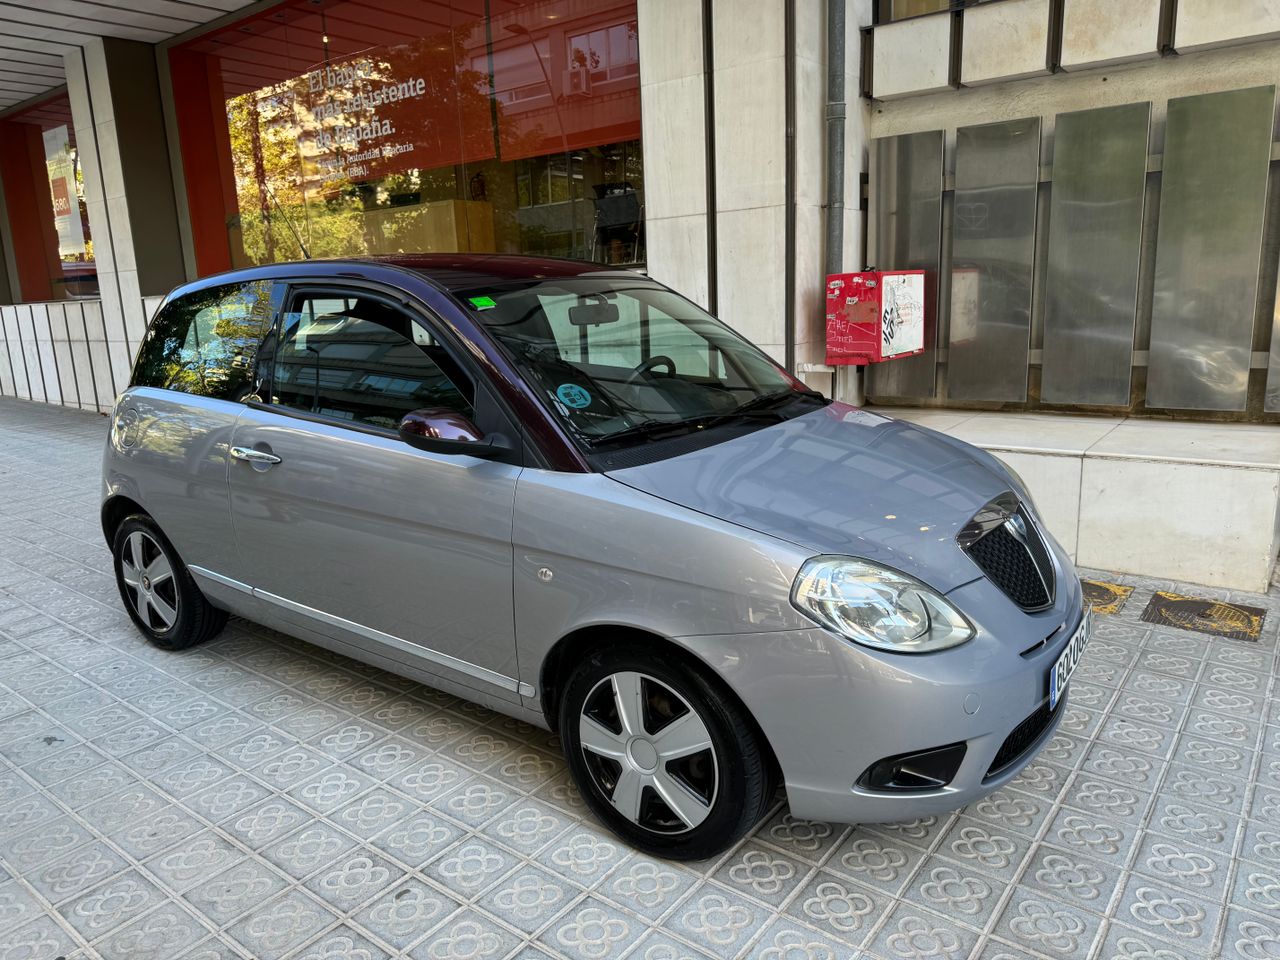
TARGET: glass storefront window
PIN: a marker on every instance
(353, 127)
(44, 197)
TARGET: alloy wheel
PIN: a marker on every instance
(649, 752)
(148, 574)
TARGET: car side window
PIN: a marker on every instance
(206, 343)
(361, 359)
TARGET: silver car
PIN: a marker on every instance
(569, 494)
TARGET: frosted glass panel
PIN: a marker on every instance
(1095, 240)
(906, 234)
(992, 254)
(1213, 193)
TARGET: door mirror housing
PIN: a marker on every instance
(439, 430)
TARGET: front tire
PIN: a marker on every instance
(157, 589)
(663, 756)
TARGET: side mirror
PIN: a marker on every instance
(438, 430)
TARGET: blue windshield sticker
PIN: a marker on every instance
(572, 395)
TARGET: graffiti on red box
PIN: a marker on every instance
(874, 316)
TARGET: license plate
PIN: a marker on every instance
(1061, 671)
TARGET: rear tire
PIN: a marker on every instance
(663, 755)
(157, 589)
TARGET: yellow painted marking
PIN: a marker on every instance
(1106, 597)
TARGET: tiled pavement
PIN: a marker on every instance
(259, 797)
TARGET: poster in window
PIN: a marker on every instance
(62, 187)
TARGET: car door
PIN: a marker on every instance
(173, 426)
(403, 553)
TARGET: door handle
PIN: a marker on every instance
(250, 455)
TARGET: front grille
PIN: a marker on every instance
(1011, 567)
(1004, 542)
(1023, 737)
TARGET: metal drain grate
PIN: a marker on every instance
(1203, 615)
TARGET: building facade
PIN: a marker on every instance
(1087, 183)
(1091, 184)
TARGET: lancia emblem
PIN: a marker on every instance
(1017, 527)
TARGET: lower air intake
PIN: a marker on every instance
(1023, 738)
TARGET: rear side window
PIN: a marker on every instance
(206, 343)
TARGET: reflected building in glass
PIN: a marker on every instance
(357, 128)
(44, 200)
(1092, 188)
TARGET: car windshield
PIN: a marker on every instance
(626, 360)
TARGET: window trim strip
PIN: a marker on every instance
(415, 310)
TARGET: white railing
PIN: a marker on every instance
(64, 353)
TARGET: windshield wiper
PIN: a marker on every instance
(645, 429)
(770, 401)
(764, 405)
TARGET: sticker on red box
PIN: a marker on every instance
(902, 317)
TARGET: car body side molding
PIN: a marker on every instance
(510, 684)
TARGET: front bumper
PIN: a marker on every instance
(830, 708)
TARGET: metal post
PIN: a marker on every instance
(837, 109)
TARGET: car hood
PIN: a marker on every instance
(844, 481)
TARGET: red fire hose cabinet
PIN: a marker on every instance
(874, 316)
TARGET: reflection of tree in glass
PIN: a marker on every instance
(452, 128)
(264, 152)
(579, 58)
(207, 346)
(286, 180)
(83, 208)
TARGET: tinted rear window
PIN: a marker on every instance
(207, 342)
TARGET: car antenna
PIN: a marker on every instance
(306, 254)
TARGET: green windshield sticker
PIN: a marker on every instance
(483, 303)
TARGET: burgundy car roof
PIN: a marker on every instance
(462, 271)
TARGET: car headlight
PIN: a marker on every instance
(876, 606)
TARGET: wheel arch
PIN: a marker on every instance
(579, 643)
(114, 510)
